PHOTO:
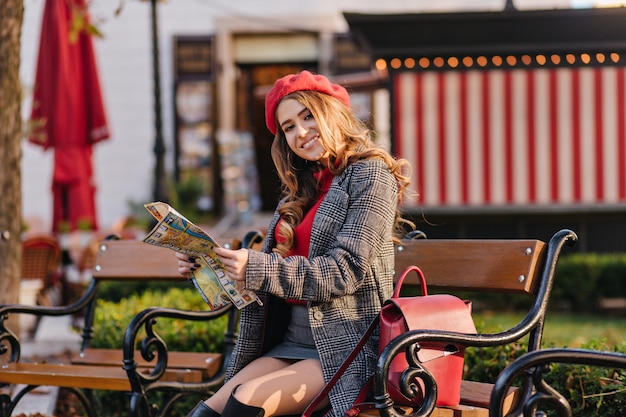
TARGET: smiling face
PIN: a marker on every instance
(300, 130)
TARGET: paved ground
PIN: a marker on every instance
(54, 336)
(39, 402)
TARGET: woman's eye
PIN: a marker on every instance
(308, 116)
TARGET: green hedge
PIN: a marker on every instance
(592, 391)
(110, 323)
(583, 280)
(111, 319)
(116, 290)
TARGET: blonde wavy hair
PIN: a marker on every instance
(347, 140)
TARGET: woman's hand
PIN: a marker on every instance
(186, 264)
(235, 262)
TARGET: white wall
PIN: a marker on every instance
(124, 163)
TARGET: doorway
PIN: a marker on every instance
(253, 84)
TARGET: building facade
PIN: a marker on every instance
(217, 60)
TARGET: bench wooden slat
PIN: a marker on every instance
(405, 410)
(503, 266)
(207, 363)
(468, 411)
(178, 375)
(478, 394)
(134, 260)
(81, 376)
(106, 378)
(456, 411)
(474, 402)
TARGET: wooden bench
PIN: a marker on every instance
(139, 372)
(502, 266)
(515, 267)
(204, 364)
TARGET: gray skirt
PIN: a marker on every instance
(298, 341)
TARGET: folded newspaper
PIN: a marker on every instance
(174, 231)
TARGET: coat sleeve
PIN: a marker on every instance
(349, 229)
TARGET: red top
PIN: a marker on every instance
(302, 232)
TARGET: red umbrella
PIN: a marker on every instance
(68, 111)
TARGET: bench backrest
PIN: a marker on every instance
(485, 265)
(505, 266)
(134, 260)
(495, 265)
(137, 260)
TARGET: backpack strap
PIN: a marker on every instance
(349, 359)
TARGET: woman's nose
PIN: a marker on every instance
(302, 130)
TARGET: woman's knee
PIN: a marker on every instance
(287, 389)
(251, 393)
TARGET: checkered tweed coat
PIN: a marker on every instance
(345, 280)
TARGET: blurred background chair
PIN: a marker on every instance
(42, 276)
(41, 260)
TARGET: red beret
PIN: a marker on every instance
(302, 81)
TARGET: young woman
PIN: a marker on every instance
(327, 261)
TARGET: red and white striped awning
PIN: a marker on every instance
(515, 137)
